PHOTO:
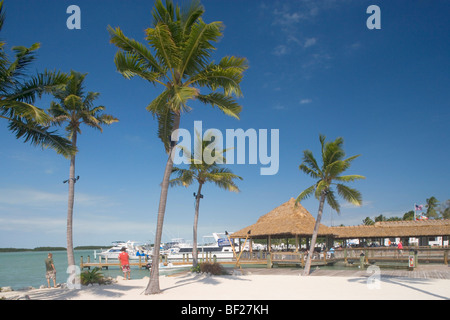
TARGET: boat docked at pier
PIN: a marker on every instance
(219, 246)
(133, 248)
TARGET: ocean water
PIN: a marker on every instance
(23, 269)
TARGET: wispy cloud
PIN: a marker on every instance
(309, 42)
(280, 50)
(305, 101)
(40, 199)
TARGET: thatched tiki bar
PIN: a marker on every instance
(285, 221)
(289, 221)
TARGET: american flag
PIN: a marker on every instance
(419, 207)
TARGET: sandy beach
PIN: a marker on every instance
(249, 286)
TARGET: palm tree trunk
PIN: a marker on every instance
(70, 255)
(153, 283)
(194, 245)
(314, 236)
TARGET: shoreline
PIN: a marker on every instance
(263, 284)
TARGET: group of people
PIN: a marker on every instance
(50, 270)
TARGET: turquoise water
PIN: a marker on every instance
(23, 269)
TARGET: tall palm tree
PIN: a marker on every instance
(76, 107)
(202, 171)
(18, 92)
(333, 165)
(181, 45)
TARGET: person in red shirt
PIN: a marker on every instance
(400, 247)
(125, 263)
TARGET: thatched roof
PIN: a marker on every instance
(285, 220)
(387, 229)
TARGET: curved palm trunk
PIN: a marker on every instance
(153, 283)
(70, 255)
(194, 245)
(314, 236)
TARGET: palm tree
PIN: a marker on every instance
(181, 45)
(203, 171)
(18, 92)
(431, 206)
(76, 107)
(333, 165)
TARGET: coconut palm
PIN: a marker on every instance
(204, 167)
(329, 174)
(181, 45)
(76, 107)
(18, 93)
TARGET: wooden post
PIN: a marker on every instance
(446, 257)
(269, 261)
(81, 263)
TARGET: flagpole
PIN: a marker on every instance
(415, 208)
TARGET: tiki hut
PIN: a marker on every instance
(285, 221)
(389, 229)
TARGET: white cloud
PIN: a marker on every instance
(310, 42)
(280, 50)
(41, 199)
(305, 101)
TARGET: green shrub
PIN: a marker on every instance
(92, 276)
(212, 268)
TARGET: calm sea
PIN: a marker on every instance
(23, 269)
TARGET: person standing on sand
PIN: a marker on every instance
(50, 270)
(125, 263)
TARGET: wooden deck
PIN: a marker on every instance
(425, 272)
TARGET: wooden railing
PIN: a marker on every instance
(391, 254)
(424, 254)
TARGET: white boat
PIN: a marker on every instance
(220, 247)
(134, 249)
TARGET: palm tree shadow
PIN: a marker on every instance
(199, 278)
(404, 282)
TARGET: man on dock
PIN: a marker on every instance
(125, 263)
(50, 270)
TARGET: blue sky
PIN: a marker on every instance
(314, 68)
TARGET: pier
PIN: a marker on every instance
(408, 258)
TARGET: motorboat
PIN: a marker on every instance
(219, 246)
(134, 249)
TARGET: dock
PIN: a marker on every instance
(105, 264)
(364, 257)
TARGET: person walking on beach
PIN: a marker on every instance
(50, 270)
(400, 247)
(125, 263)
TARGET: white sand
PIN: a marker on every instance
(253, 287)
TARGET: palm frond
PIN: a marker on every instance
(349, 178)
(332, 202)
(349, 194)
(135, 48)
(166, 50)
(226, 104)
(198, 46)
(311, 162)
(227, 75)
(305, 194)
(40, 135)
(130, 65)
